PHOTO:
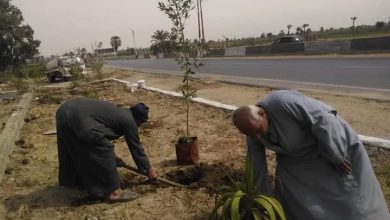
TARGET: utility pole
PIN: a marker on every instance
(135, 48)
(202, 40)
(199, 31)
(201, 18)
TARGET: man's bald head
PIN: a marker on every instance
(251, 120)
(245, 112)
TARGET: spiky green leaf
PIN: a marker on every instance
(249, 175)
(227, 188)
(256, 214)
(226, 208)
(235, 207)
(276, 205)
(267, 206)
(227, 195)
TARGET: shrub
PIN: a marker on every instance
(96, 62)
(20, 85)
(241, 201)
(91, 94)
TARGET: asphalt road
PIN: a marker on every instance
(358, 72)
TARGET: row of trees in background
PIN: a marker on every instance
(17, 43)
(162, 41)
(165, 42)
(379, 28)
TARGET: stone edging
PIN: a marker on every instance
(11, 132)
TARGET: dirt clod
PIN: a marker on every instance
(8, 170)
(26, 146)
(26, 161)
(20, 142)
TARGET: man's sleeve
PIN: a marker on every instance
(256, 152)
(136, 149)
(324, 125)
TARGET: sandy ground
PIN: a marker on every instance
(30, 189)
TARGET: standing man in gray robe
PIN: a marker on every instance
(323, 171)
(85, 128)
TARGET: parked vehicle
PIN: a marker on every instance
(59, 68)
(288, 39)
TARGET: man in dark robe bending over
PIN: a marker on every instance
(85, 128)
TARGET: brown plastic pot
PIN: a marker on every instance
(187, 152)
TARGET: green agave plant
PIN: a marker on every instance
(241, 201)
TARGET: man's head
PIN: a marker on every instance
(251, 120)
(140, 113)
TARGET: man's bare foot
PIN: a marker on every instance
(120, 195)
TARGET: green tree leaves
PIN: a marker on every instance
(178, 12)
(162, 42)
(115, 42)
(17, 41)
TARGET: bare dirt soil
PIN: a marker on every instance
(370, 117)
(29, 189)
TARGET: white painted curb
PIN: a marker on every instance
(368, 141)
(375, 142)
(199, 100)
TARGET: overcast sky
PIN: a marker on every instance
(64, 25)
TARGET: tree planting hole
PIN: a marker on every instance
(187, 176)
(208, 176)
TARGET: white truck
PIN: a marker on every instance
(59, 68)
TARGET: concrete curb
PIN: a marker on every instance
(11, 132)
(368, 141)
(375, 142)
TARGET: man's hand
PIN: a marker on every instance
(345, 167)
(152, 176)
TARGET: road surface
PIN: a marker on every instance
(371, 73)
